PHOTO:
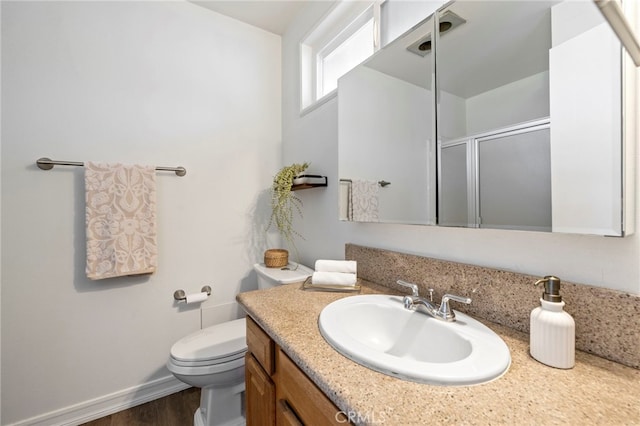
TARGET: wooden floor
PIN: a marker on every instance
(173, 410)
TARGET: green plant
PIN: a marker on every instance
(284, 202)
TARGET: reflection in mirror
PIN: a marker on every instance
(454, 208)
(514, 179)
(510, 114)
(386, 133)
(500, 179)
(528, 98)
(494, 72)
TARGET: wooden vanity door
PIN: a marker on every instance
(260, 394)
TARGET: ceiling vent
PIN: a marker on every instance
(448, 21)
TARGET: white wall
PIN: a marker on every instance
(162, 83)
(606, 262)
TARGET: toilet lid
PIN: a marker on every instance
(215, 342)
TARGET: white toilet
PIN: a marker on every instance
(213, 358)
(271, 277)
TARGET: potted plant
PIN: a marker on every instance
(283, 205)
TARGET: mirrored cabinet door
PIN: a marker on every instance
(386, 134)
(586, 117)
(510, 64)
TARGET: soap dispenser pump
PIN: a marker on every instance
(552, 333)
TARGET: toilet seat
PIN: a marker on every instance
(206, 362)
(216, 345)
(201, 370)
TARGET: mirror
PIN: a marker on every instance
(494, 132)
(527, 97)
(386, 136)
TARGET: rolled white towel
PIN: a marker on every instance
(333, 278)
(346, 266)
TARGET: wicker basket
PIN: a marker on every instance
(276, 258)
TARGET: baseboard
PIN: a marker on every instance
(108, 404)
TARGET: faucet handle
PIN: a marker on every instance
(445, 311)
(413, 287)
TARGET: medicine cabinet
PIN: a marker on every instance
(510, 116)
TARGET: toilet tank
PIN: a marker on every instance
(271, 277)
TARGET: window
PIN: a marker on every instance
(336, 61)
(345, 37)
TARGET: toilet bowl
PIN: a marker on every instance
(213, 360)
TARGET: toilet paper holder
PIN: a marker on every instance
(181, 296)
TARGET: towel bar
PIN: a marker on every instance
(382, 183)
(45, 163)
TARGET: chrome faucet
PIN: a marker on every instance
(442, 312)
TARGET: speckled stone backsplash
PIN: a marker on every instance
(607, 321)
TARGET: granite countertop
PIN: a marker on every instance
(595, 391)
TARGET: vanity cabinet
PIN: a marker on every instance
(277, 391)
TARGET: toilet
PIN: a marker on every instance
(290, 274)
(213, 358)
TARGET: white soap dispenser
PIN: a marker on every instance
(553, 331)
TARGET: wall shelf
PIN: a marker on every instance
(308, 181)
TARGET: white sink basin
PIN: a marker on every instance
(377, 332)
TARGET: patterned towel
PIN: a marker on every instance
(120, 219)
(364, 201)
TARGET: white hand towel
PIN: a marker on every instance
(346, 212)
(120, 220)
(333, 278)
(347, 266)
